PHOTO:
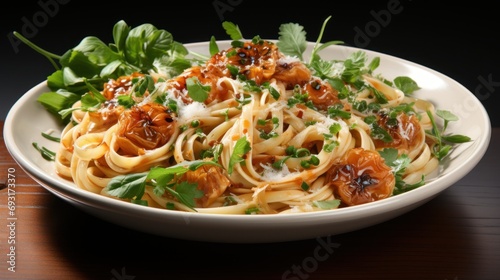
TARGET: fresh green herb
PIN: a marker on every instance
(374, 64)
(252, 210)
(92, 62)
(234, 70)
(353, 66)
(406, 84)
(50, 137)
(185, 192)
(225, 113)
(244, 100)
(141, 85)
(213, 47)
(339, 85)
(292, 40)
(327, 204)
(274, 92)
(57, 101)
(170, 206)
(251, 86)
(313, 160)
(444, 142)
(377, 132)
(300, 98)
(232, 30)
(132, 186)
(229, 200)
(398, 164)
(90, 101)
(126, 101)
(171, 104)
(293, 152)
(241, 147)
(197, 91)
(381, 99)
(297, 152)
(337, 110)
(329, 147)
(264, 135)
(46, 153)
(278, 165)
(213, 152)
(320, 46)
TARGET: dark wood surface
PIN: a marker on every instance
(455, 236)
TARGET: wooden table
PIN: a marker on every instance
(455, 236)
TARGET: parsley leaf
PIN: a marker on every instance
(232, 30)
(132, 186)
(398, 165)
(187, 193)
(197, 91)
(213, 47)
(444, 143)
(127, 186)
(406, 85)
(292, 40)
(241, 147)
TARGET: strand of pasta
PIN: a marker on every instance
(128, 164)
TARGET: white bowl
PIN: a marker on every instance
(27, 119)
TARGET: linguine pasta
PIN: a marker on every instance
(269, 135)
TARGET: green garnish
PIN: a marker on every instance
(132, 186)
(327, 204)
(46, 153)
(197, 91)
(292, 40)
(232, 30)
(444, 142)
(406, 84)
(398, 164)
(92, 63)
(50, 137)
(241, 147)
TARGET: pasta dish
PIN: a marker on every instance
(252, 130)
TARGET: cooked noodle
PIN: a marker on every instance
(98, 145)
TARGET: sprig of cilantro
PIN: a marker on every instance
(292, 41)
(197, 91)
(241, 148)
(132, 186)
(444, 142)
(398, 164)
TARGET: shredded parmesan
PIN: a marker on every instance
(272, 175)
(192, 111)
